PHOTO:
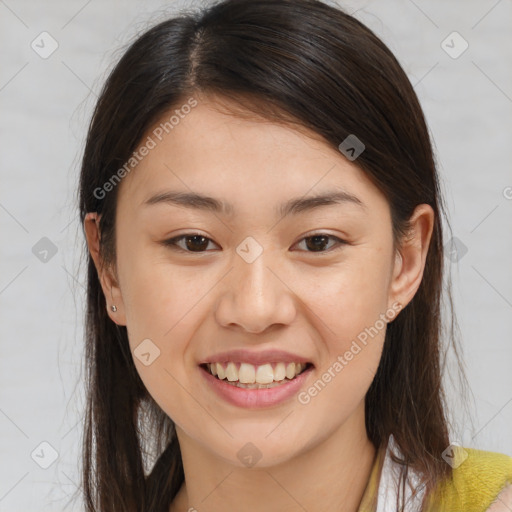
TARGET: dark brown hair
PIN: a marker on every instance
(295, 61)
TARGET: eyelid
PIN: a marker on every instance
(340, 242)
(172, 242)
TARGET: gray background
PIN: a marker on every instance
(45, 106)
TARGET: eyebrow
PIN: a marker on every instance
(291, 207)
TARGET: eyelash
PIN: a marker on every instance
(172, 242)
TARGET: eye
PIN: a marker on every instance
(318, 242)
(196, 242)
(192, 242)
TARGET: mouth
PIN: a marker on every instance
(249, 376)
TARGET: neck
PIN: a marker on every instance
(329, 476)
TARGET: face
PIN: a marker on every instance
(262, 271)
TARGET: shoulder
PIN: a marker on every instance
(503, 502)
(481, 481)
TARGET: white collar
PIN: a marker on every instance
(389, 483)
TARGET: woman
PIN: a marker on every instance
(263, 218)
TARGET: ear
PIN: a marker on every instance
(108, 279)
(411, 256)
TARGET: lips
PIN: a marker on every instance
(254, 396)
(250, 379)
(255, 358)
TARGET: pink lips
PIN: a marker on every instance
(255, 358)
(255, 398)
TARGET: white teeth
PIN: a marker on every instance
(290, 370)
(220, 371)
(231, 372)
(279, 371)
(264, 374)
(249, 374)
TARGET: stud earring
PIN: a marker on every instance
(113, 308)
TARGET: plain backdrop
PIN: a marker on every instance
(45, 107)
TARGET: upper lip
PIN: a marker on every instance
(255, 358)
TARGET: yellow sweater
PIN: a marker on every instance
(478, 477)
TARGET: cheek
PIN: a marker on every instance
(349, 305)
(349, 297)
(162, 304)
(349, 308)
(158, 297)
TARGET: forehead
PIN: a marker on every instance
(210, 152)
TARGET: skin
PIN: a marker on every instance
(503, 502)
(315, 456)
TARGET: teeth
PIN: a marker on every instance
(231, 372)
(249, 374)
(264, 374)
(290, 370)
(280, 371)
(221, 374)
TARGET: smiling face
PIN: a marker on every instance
(258, 266)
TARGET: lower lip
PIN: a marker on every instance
(255, 398)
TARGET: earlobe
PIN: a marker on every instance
(108, 280)
(411, 256)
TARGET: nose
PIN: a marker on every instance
(255, 296)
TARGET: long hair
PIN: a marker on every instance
(300, 62)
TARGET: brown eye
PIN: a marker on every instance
(319, 242)
(192, 242)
